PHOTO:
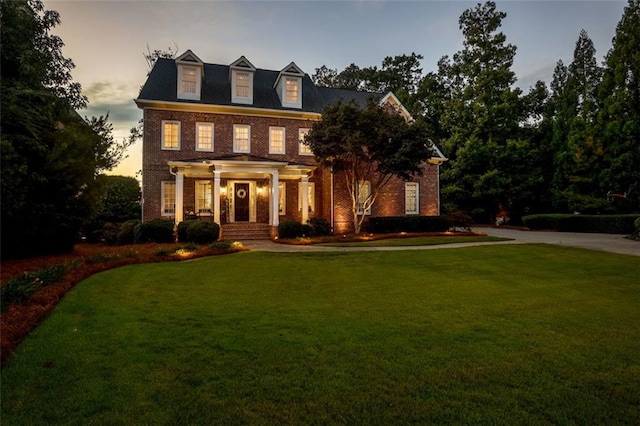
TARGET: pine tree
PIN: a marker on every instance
(619, 118)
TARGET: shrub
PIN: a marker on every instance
(110, 233)
(290, 229)
(603, 224)
(222, 245)
(391, 224)
(319, 227)
(155, 231)
(126, 234)
(459, 219)
(19, 288)
(636, 224)
(198, 232)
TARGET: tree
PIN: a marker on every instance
(152, 56)
(48, 151)
(619, 118)
(368, 144)
(482, 116)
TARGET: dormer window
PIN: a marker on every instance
(289, 86)
(292, 90)
(242, 81)
(190, 75)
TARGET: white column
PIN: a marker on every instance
(305, 199)
(179, 214)
(274, 213)
(216, 197)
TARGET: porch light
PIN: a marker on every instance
(223, 190)
(260, 190)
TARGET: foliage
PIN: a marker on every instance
(108, 152)
(118, 199)
(222, 245)
(49, 154)
(602, 224)
(392, 224)
(290, 228)
(370, 144)
(126, 233)
(18, 289)
(319, 227)
(156, 231)
(198, 232)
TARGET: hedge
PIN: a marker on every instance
(391, 224)
(601, 224)
(155, 231)
(198, 232)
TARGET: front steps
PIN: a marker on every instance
(245, 231)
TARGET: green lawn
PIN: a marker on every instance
(530, 334)
(418, 241)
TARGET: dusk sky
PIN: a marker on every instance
(107, 39)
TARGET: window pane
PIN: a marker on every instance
(168, 198)
(241, 139)
(291, 90)
(282, 198)
(189, 80)
(203, 197)
(304, 148)
(171, 135)
(276, 140)
(205, 137)
(242, 85)
(411, 198)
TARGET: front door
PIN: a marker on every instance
(241, 202)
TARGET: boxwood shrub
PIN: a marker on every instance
(319, 226)
(198, 232)
(155, 231)
(602, 224)
(289, 228)
(391, 224)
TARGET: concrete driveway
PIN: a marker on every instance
(604, 242)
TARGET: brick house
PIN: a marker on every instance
(226, 143)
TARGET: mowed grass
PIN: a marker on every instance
(529, 334)
(418, 241)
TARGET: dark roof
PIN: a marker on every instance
(161, 85)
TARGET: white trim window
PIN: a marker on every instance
(242, 87)
(204, 137)
(282, 198)
(276, 140)
(171, 135)
(203, 197)
(311, 186)
(303, 148)
(363, 192)
(189, 79)
(292, 90)
(168, 197)
(411, 198)
(241, 138)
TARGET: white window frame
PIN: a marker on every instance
(235, 140)
(163, 198)
(181, 80)
(282, 201)
(295, 83)
(312, 196)
(282, 87)
(360, 200)
(303, 148)
(272, 149)
(416, 201)
(235, 97)
(200, 125)
(179, 131)
(204, 210)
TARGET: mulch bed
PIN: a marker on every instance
(85, 260)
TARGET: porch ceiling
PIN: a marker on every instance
(241, 168)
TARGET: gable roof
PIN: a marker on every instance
(161, 85)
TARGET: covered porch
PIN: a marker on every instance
(239, 189)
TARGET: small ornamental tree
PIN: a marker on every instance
(371, 144)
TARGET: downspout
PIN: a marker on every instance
(438, 187)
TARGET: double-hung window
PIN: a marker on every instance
(171, 135)
(364, 191)
(242, 84)
(168, 198)
(411, 198)
(282, 198)
(204, 136)
(189, 76)
(241, 138)
(203, 197)
(303, 148)
(291, 90)
(276, 140)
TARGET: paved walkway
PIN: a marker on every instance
(603, 242)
